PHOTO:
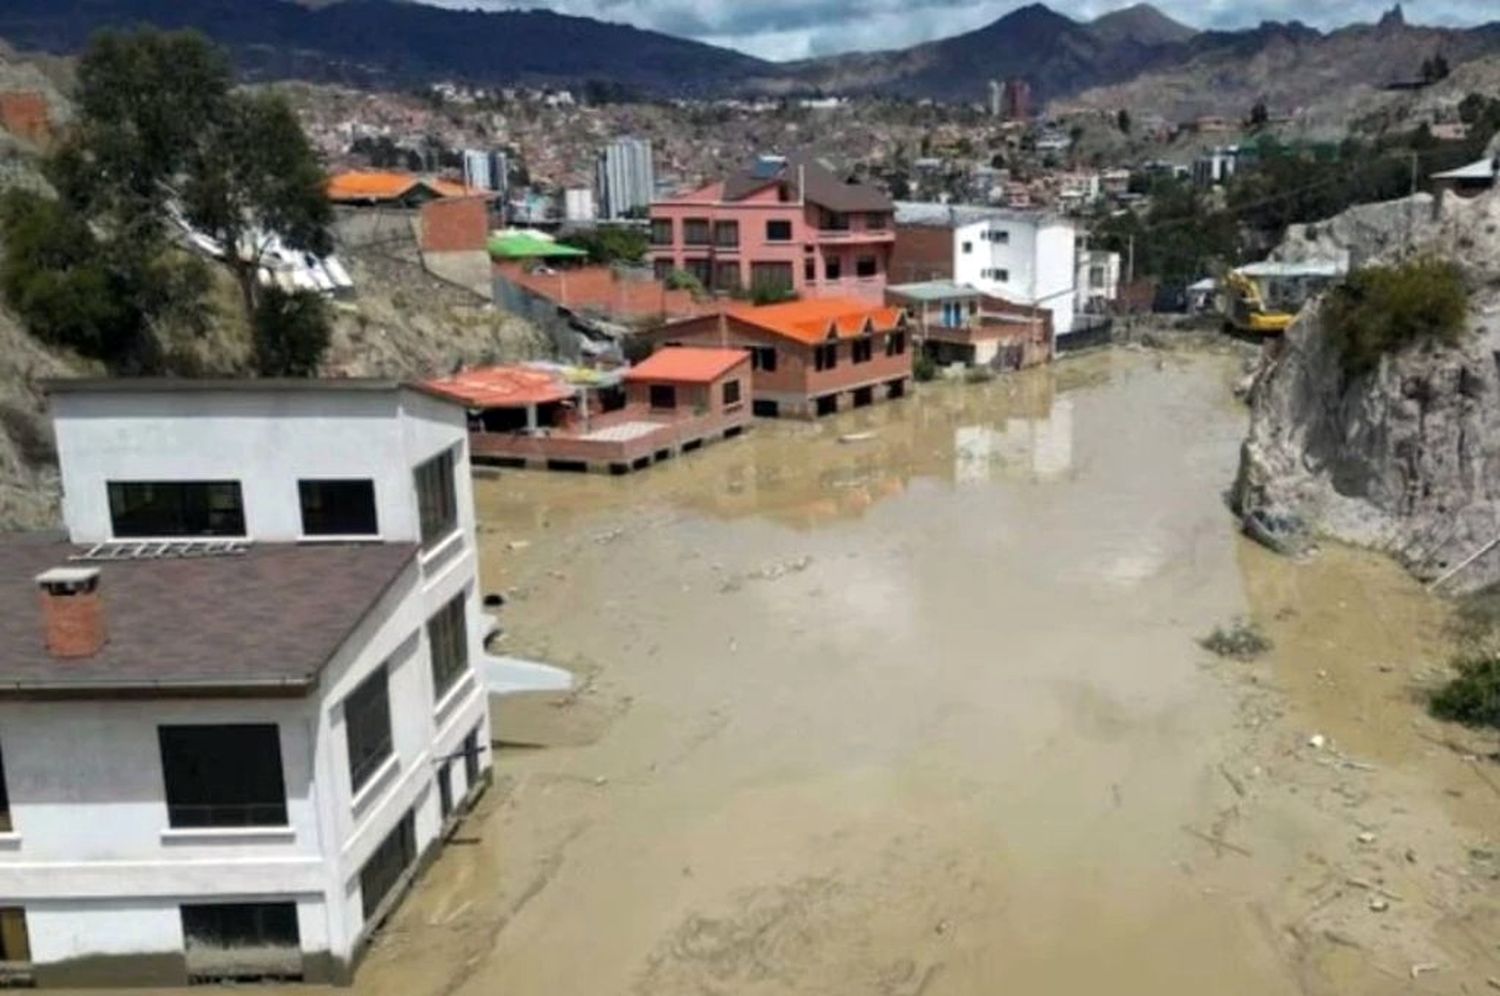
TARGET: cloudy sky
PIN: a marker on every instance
(794, 29)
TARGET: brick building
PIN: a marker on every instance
(809, 358)
(25, 114)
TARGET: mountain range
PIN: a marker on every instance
(398, 43)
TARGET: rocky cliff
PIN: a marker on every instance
(1406, 458)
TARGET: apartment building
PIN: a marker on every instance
(785, 224)
(239, 699)
(625, 178)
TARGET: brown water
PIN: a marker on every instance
(924, 714)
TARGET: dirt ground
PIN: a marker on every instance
(926, 715)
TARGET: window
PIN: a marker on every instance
(15, 941)
(727, 234)
(810, 270)
(176, 508)
(337, 508)
(663, 396)
(763, 358)
(877, 222)
(1002, 276)
(833, 268)
(223, 776)
(834, 222)
(449, 636)
(778, 231)
(662, 268)
(367, 728)
(695, 231)
(731, 393)
(771, 276)
(445, 789)
(661, 231)
(241, 941)
(1096, 277)
(726, 276)
(437, 499)
(862, 349)
(999, 235)
(968, 248)
(385, 865)
(701, 269)
(5, 823)
(895, 344)
(866, 266)
(826, 357)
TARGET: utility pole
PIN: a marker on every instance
(1130, 269)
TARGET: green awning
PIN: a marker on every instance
(522, 246)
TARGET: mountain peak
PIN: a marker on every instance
(1393, 18)
(1142, 24)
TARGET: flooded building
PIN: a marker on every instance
(953, 323)
(239, 702)
(676, 401)
(809, 358)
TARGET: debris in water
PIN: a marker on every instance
(856, 437)
(1423, 968)
(518, 544)
(1379, 904)
(1366, 838)
(1317, 741)
(1241, 641)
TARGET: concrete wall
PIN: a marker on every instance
(267, 440)
(1039, 260)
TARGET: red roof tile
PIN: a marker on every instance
(687, 365)
(812, 321)
(502, 387)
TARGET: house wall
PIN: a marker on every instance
(711, 396)
(455, 224)
(25, 113)
(266, 440)
(1039, 260)
(921, 253)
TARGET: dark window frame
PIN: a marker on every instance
(662, 397)
(826, 356)
(697, 232)
(437, 513)
(781, 224)
(7, 825)
(228, 926)
(895, 343)
(833, 268)
(362, 522)
(386, 864)
(726, 234)
(197, 800)
(763, 358)
(175, 493)
(862, 350)
(367, 708)
(13, 923)
(866, 267)
(660, 225)
(732, 387)
(448, 644)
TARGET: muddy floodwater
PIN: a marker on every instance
(925, 714)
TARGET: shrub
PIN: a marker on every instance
(1242, 641)
(683, 280)
(771, 293)
(1473, 697)
(291, 333)
(923, 368)
(1382, 309)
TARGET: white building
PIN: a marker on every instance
(1098, 280)
(1215, 166)
(626, 178)
(238, 703)
(1025, 257)
(578, 204)
(486, 170)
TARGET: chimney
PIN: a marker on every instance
(72, 611)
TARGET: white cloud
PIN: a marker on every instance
(795, 29)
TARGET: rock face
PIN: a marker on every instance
(1406, 458)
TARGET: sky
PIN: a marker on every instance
(796, 29)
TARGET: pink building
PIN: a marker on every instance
(786, 223)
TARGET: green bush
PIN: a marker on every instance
(771, 293)
(1382, 309)
(683, 280)
(1242, 641)
(923, 368)
(1472, 698)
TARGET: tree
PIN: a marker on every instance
(1123, 121)
(610, 243)
(291, 333)
(1260, 115)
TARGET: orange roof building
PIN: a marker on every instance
(809, 358)
(388, 188)
(503, 387)
(686, 365)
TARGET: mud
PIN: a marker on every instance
(925, 714)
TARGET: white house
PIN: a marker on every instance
(1098, 280)
(238, 702)
(1025, 257)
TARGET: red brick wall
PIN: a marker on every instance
(455, 224)
(598, 288)
(25, 114)
(921, 253)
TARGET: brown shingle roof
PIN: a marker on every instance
(823, 187)
(268, 620)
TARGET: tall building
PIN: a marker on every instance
(486, 170)
(626, 178)
(997, 105)
(1015, 104)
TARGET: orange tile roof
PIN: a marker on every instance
(687, 364)
(502, 387)
(379, 185)
(809, 321)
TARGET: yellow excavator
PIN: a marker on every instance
(1245, 308)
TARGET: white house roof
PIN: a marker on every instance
(1484, 169)
(1277, 269)
(935, 215)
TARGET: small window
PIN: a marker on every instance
(968, 248)
(367, 728)
(148, 509)
(763, 358)
(661, 231)
(337, 508)
(866, 266)
(1000, 236)
(695, 231)
(471, 759)
(449, 636)
(766, 276)
(833, 268)
(223, 776)
(778, 231)
(727, 234)
(726, 276)
(862, 349)
(386, 864)
(731, 393)
(437, 499)
(895, 344)
(15, 939)
(810, 271)
(250, 941)
(826, 357)
(663, 396)
(1003, 276)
